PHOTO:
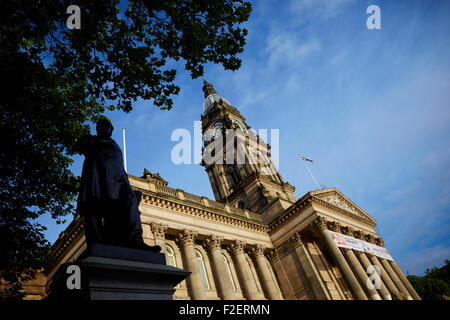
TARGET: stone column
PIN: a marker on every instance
(366, 264)
(404, 280)
(213, 243)
(395, 278)
(159, 233)
(364, 261)
(248, 283)
(385, 277)
(362, 275)
(186, 240)
(317, 285)
(263, 268)
(285, 286)
(357, 291)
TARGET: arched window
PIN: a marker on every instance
(234, 173)
(201, 266)
(227, 267)
(170, 256)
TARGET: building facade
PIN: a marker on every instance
(256, 240)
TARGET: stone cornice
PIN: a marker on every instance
(337, 199)
(197, 210)
(309, 200)
(360, 216)
(296, 207)
(66, 239)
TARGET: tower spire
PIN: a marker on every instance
(208, 88)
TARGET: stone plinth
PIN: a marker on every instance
(114, 273)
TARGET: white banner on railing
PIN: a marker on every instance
(348, 242)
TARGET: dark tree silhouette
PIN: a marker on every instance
(57, 80)
(435, 285)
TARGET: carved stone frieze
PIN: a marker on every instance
(340, 202)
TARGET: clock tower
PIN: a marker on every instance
(238, 162)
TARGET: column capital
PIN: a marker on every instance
(213, 242)
(347, 230)
(334, 226)
(258, 250)
(237, 247)
(158, 230)
(186, 237)
(320, 223)
(379, 241)
(296, 240)
(272, 254)
(369, 238)
(358, 234)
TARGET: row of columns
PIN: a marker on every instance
(393, 281)
(186, 241)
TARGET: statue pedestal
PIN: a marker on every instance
(114, 273)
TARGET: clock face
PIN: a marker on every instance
(216, 130)
(239, 124)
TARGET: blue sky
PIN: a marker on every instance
(370, 107)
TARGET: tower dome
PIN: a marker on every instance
(211, 96)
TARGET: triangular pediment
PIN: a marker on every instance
(337, 199)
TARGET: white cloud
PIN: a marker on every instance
(418, 261)
(285, 48)
(324, 8)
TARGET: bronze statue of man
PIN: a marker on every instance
(106, 200)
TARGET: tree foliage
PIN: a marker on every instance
(434, 285)
(57, 80)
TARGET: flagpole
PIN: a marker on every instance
(124, 151)
(310, 173)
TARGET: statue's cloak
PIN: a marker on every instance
(103, 179)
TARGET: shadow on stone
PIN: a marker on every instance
(107, 272)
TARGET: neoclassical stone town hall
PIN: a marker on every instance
(255, 240)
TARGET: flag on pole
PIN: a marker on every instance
(309, 171)
(124, 151)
